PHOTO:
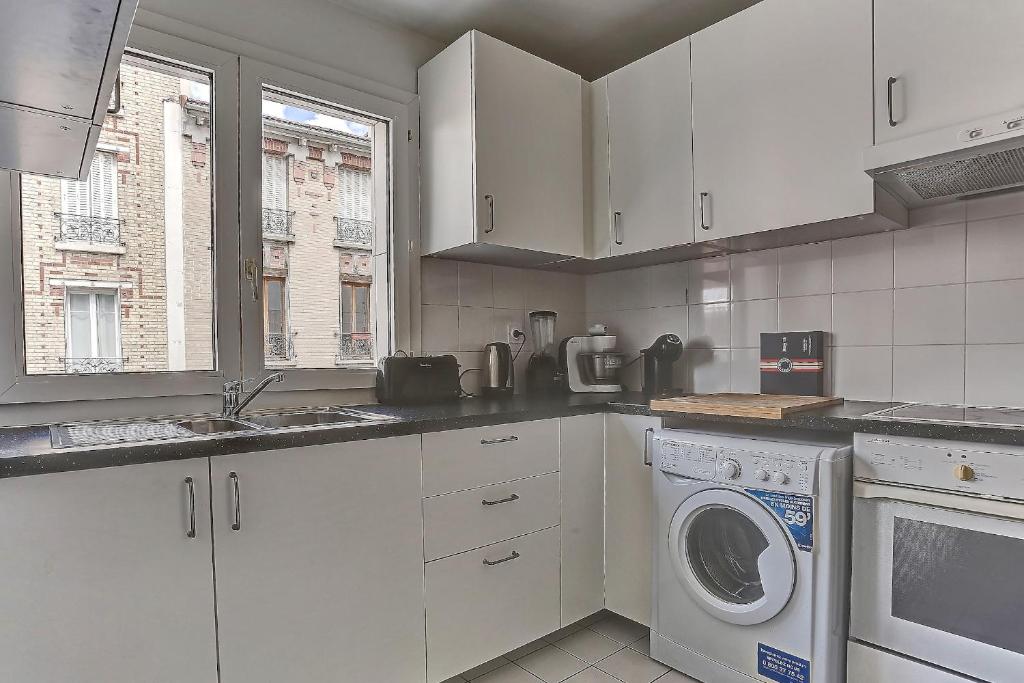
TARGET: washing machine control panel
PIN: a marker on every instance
(760, 469)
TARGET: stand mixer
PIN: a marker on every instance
(592, 364)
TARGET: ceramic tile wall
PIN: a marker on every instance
(467, 305)
(934, 313)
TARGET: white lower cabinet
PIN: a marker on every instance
(101, 579)
(319, 564)
(486, 602)
(628, 516)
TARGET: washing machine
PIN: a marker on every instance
(751, 555)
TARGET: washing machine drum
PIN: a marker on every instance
(732, 555)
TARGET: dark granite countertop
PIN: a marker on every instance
(27, 450)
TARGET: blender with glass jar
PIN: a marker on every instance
(542, 373)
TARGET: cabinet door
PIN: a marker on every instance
(781, 116)
(529, 150)
(596, 169)
(322, 581)
(581, 469)
(629, 509)
(101, 581)
(651, 154)
(953, 61)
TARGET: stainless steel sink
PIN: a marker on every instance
(313, 418)
(215, 425)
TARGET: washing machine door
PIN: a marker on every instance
(732, 555)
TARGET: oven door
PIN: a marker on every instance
(940, 584)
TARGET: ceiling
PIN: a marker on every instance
(589, 37)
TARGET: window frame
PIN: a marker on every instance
(16, 386)
(397, 225)
(92, 293)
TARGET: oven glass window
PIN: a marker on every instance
(722, 547)
(961, 581)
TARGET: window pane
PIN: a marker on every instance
(136, 236)
(318, 224)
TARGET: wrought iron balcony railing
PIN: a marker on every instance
(277, 222)
(358, 233)
(88, 229)
(89, 366)
(279, 346)
(356, 347)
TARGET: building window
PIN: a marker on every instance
(277, 219)
(356, 335)
(88, 208)
(92, 332)
(275, 315)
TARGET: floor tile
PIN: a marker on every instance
(676, 677)
(486, 667)
(589, 646)
(455, 679)
(529, 648)
(510, 673)
(551, 664)
(621, 629)
(630, 666)
(564, 632)
(643, 646)
(592, 675)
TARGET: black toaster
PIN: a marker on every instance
(410, 380)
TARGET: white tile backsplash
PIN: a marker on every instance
(805, 269)
(806, 313)
(928, 374)
(863, 372)
(995, 375)
(929, 315)
(755, 275)
(750, 319)
(995, 248)
(709, 280)
(930, 256)
(862, 263)
(995, 312)
(709, 326)
(476, 285)
(862, 318)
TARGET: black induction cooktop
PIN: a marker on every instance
(970, 415)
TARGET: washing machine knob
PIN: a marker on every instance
(730, 469)
(761, 474)
(780, 478)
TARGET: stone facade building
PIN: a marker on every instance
(118, 270)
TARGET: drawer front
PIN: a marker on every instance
(478, 611)
(468, 458)
(461, 521)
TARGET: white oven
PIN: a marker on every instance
(937, 591)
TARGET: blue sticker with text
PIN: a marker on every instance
(781, 666)
(796, 512)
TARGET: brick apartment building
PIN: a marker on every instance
(118, 269)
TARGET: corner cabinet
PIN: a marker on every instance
(501, 155)
(107, 576)
(319, 559)
(781, 116)
(643, 180)
(941, 63)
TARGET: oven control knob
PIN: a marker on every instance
(964, 473)
(780, 478)
(761, 474)
(730, 469)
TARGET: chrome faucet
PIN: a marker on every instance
(233, 403)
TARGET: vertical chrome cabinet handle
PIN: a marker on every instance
(190, 489)
(504, 439)
(490, 210)
(704, 199)
(514, 556)
(648, 433)
(889, 97)
(511, 499)
(617, 225)
(236, 502)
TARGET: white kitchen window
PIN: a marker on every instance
(92, 322)
(95, 197)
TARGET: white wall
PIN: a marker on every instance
(931, 314)
(317, 32)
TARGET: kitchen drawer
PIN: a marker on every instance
(476, 611)
(469, 519)
(467, 458)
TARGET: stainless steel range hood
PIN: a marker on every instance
(952, 163)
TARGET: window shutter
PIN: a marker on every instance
(103, 185)
(275, 182)
(355, 190)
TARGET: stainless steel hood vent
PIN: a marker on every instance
(953, 163)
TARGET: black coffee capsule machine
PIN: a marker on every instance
(659, 361)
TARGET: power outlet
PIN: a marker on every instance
(513, 335)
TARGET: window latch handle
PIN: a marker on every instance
(252, 272)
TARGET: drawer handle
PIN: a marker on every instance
(511, 499)
(505, 439)
(513, 556)
(190, 488)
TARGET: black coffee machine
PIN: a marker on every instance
(659, 360)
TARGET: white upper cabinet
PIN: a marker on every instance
(781, 116)
(501, 154)
(107, 576)
(949, 62)
(62, 58)
(319, 559)
(650, 152)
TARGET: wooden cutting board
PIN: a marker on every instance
(766, 406)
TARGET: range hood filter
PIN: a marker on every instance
(982, 173)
